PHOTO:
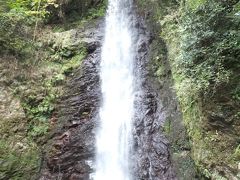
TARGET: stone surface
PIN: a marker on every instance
(72, 147)
(71, 150)
(151, 150)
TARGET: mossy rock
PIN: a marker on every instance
(18, 160)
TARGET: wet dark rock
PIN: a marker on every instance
(151, 151)
(157, 109)
(71, 150)
(92, 46)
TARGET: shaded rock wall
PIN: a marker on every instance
(151, 148)
(160, 136)
(71, 149)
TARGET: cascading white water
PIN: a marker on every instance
(116, 112)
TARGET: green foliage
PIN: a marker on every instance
(13, 34)
(158, 8)
(236, 154)
(236, 93)
(3, 6)
(17, 18)
(99, 11)
(73, 63)
(39, 100)
(58, 79)
(31, 8)
(194, 4)
(18, 160)
(210, 46)
(76, 19)
(204, 51)
(38, 106)
(19, 4)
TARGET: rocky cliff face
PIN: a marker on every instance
(72, 147)
(71, 150)
(161, 141)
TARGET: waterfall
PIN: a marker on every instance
(113, 139)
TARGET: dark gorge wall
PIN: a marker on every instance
(164, 144)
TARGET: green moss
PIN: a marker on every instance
(39, 101)
(18, 161)
(73, 63)
(236, 154)
(167, 126)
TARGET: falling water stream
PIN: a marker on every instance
(116, 112)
